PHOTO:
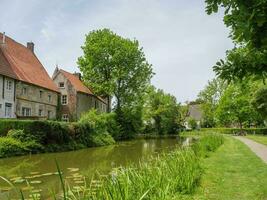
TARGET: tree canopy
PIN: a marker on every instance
(115, 66)
(248, 23)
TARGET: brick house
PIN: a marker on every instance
(76, 98)
(34, 93)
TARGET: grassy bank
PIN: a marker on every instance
(233, 172)
(258, 138)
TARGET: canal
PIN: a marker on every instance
(38, 173)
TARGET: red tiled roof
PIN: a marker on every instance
(25, 65)
(5, 68)
(78, 84)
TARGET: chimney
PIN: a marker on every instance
(77, 74)
(4, 38)
(30, 45)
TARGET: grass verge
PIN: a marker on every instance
(258, 138)
(233, 172)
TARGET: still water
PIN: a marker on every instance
(39, 171)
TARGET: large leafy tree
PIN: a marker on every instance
(115, 66)
(235, 108)
(248, 23)
(259, 101)
(209, 98)
(162, 112)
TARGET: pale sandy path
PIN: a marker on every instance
(259, 149)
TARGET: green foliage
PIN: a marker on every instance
(248, 22)
(257, 131)
(101, 125)
(241, 63)
(10, 146)
(192, 123)
(235, 107)
(162, 112)
(259, 101)
(210, 97)
(51, 136)
(115, 66)
(207, 143)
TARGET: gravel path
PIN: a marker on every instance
(259, 149)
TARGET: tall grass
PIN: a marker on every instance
(163, 177)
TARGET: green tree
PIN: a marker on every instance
(259, 101)
(235, 106)
(209, 98)
(162, 112)
(192, 123)
(116, 67)
(248, 23)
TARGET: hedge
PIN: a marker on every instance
(57, 136)
(258, 131)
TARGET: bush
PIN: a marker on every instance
(50, 136)
(207, 143)
(192, 123)
(10, 146)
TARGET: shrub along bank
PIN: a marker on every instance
(20, 137)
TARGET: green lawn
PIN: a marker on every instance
(233, 172)
(258, 138)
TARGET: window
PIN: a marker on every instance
(64, 100)
(0, 106)
(49, 98)
(26, 112)
(24, 91)
(40, 112)
(8, 110)
(41, 94)
(49, 114)
(65, 117)
(9, 85)
(61, 84)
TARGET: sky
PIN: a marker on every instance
(179, 39)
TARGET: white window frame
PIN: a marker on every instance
(8, 85)
(8, 110)
(26, 112)
(61, 86)
(65, 117)
(63, 100)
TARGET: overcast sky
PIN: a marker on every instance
(180, 40)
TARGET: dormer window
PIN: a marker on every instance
(61, 85)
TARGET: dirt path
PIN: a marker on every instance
(259, 149)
